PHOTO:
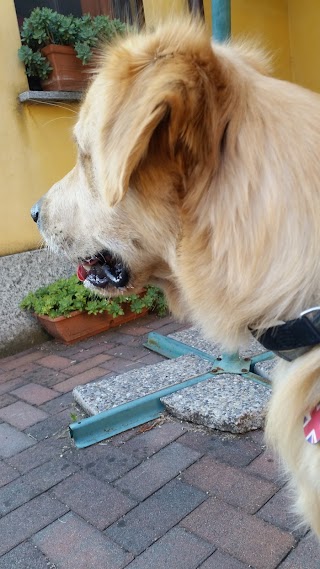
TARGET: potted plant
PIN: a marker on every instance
(70, 312)
(57, 48)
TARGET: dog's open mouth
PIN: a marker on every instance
(102, 270)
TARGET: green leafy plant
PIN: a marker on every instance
(64, 296)
(45, 26)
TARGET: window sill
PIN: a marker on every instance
(49, 96)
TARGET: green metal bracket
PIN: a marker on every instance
(224, 363)
(124, 417)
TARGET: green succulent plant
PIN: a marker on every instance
(45, 26)
(67, 295)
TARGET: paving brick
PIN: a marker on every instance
(221, 560)
(36, 455)
(71, 543)
(8, 386)
(112, 464)
(25, 556)
(22, 415)
(305, 556)
(178, 549)
(136, 341)
(44, 376)
(88, 353)
(133, 330)
(7, 473)
(159, 321)
(230, 484)
(87, 364)
(12, 441)
(121, 438)
(118, 365)
(258, 437)
(157, 471)
(146, 444)
(49, 474)
(15, 494)
(28, 519)
(171, 328)
(231, 449)
(22, 371)
(277, 512)
(20, 360)
(128, 352)
(6, 399)
(58, 404)
(80, 379)
(95, 501)
(54, 362)
(155, 516)
(242, 536)
(267, 466)
(151, 359)
(35, 394)
(52, 426)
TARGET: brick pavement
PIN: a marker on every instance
(164, 496)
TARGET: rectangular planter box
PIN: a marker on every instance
(68, 72)
(81, 325)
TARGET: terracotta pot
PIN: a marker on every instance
(69, 74)
(81, 325)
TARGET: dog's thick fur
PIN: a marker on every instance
(202, 173)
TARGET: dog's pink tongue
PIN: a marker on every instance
(81, 273)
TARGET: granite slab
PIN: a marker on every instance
(265, 369)
(193, 337)
(227, 402)
(118, 389)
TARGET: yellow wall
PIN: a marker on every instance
(155, 10)
(36, 147)
(304, 25)
(267, 22)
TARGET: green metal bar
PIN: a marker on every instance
(261, 358)
(171, 348)
(224, 363)
(221, 20)
(124, 417)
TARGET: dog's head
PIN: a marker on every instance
(149, 133)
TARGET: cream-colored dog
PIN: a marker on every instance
(200, 173)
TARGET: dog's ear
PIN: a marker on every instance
(128, 149)
(130, 137)
(169, 106)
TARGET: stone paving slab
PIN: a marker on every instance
(227, 402)
(265, 369)
(116, 390)
(193, 337)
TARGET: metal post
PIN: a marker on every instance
(221, 20)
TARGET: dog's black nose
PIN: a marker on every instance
(35, 211)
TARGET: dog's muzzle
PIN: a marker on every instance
(293, 338)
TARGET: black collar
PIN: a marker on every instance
(293, 338)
